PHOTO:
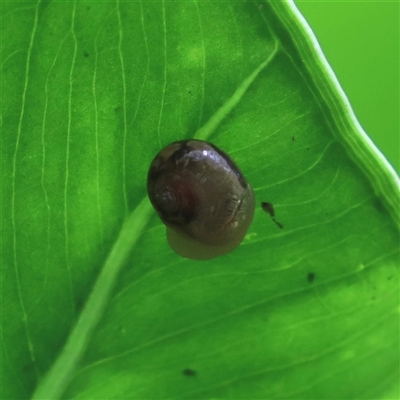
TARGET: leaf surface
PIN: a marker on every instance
(95, 304)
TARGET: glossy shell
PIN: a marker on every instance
(202, 197)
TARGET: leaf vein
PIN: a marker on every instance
(121, 60)
(25, 321)
(96, 128)
(67, 156)
(203, 60)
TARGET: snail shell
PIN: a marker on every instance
(202, 197)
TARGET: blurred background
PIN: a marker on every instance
(360, 40)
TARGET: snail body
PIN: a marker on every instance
(202, 197)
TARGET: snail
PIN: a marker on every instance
(202, 197)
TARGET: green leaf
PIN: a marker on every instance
(95, 304)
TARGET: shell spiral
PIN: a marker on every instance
(202, 197)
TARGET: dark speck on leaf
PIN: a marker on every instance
(189, 372)
(86, 54)
(268, 207)
(293, 138)
(278, 224)
(379, 206)
(311, 277)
